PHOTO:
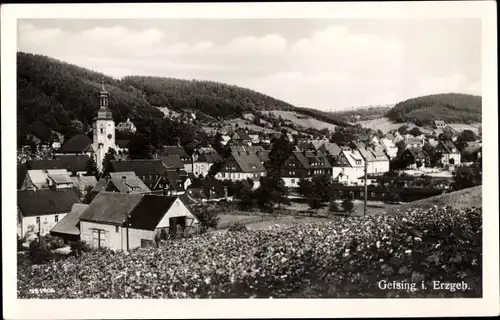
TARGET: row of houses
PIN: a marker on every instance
(113, 220)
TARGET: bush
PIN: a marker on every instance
(348, 205)
(78, 247)
(237, 227)
(207, 218)
(54, 242)
(342, 258)
(333, 207)
(40, 251)
(20, 242)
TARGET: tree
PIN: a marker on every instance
(215, 168)
(87, 195)
(333, 207)
(433, 155)
(139, 147)
(92, 168)
(306, 187)
(348, 205)
(207, 218)
(107, 158)
(403, 130)
(415, 131)
(467, 177)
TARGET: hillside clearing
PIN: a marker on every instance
(384, 124)
(301, 120)
(471, 197)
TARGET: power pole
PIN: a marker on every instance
(366, 187)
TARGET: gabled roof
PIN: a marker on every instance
(248, 162)
(331, 148)
(243, 135)
(439, 122)
(68, 162)
(76, 144)
(449, 146)
(83, 181)
(171, 150)
(253, 149)
(149, 211)
(417, 153)
(60, 178)
(111, 207)
(139, 166)
(352, 156)
(172, 161)
(364, 151)
(46, 201)
(101, 185)
(38, 178)
(127, 182)
(69, 224)
(210, 157)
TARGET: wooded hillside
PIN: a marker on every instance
(450, 107)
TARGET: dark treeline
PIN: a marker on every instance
(57, 96)
(450, 107)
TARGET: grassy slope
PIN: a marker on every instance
(471, 197)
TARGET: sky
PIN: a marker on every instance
(324, 64)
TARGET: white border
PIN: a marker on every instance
(68, 309)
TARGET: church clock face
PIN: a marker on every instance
(110, 136)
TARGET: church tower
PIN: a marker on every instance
(104, 129)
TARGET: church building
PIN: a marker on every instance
(103, 129)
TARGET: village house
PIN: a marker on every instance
(40, 210)
(375, 158)
(177, 151)
(123, 182)
(206, 189)
(150, 171)
(439, 124)
(415, 158)
(76, 165)
(83, 182)
(389, 148)
(127, 126)
(68, 228)
(203, 159)
(241, 165)
(225, 139)
(348, 166)
(255, 138)
(249, 116)
(43, 179)
(121, 221)
(449, 153)
(240, 137)
(413, 142)
(304, 164)
(331, 149)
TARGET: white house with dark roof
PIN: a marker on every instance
(450, 155)
(40, 210)
(348, 167)
(126, 126)
(121, 221)
(241, 165)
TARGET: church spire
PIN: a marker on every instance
(104, 113)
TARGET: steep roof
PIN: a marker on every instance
(68, 162)
(332, 148)
(449, 146)
(209, 157)
(417, 153)
(171, 150)
(149, 211)
(60, 178)
(111, 207)
(248, 162)
(172, 161)
(352, 156)
(127, 182)
(364, 151)
(101, 185)
(76, 144)
(138, 166)
(46, 201)
(69, 224)
(83, 181)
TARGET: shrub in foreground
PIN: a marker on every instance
(347, 257)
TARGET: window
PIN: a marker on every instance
(117, 229)
(293, 181)
(37, 219)
(56, 218)
(160, 185)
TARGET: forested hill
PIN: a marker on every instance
(450, 107)
(53, 94)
